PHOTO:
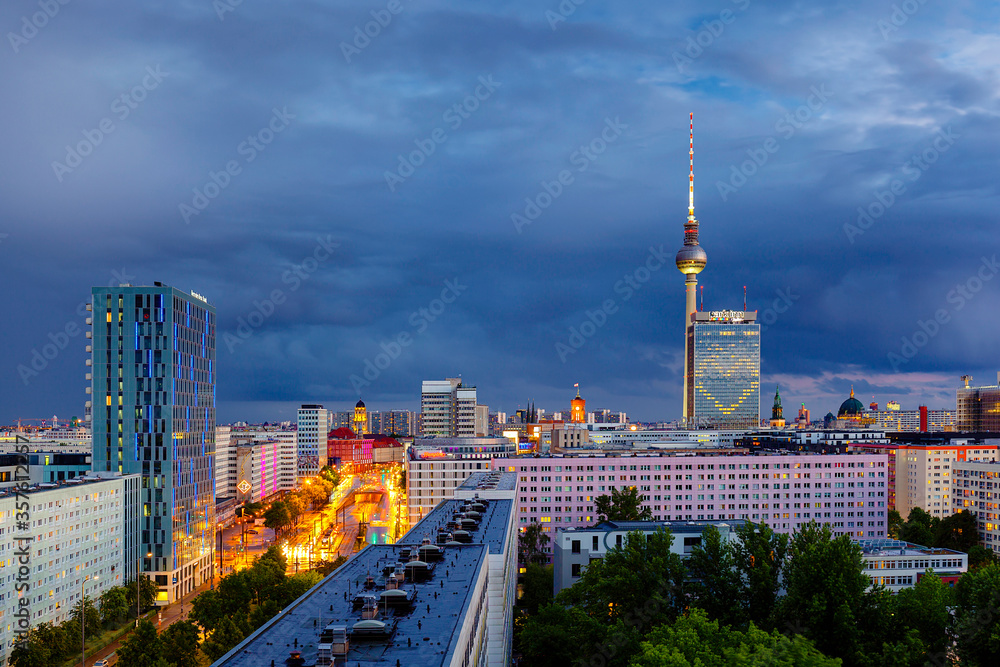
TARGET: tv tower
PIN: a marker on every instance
(691, 259)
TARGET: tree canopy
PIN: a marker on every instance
(622, 505)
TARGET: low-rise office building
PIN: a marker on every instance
(573, 549)
(440, 596)
(437, 466)
(898, 565)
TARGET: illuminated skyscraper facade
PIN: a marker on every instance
(153, 413)
(724, 370)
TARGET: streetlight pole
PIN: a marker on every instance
(83, 619)
(138, 573)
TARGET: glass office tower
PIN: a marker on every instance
(724, 363)
(153, 413)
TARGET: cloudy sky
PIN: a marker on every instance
(473, 179)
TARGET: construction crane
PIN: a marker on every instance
(20, 429)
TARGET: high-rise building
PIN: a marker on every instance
(978, 408)
(312, 430)
(447, 408)
(724, 366)
(153, 414)
(482, 421)
(398, 423)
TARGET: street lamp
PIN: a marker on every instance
(83, 619)
(138, 572)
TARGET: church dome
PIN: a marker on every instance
(851, 407)
(360, 404)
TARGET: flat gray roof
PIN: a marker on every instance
(423, 634)
(501, 481)
(675, 527)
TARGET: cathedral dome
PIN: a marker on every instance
(851, 407)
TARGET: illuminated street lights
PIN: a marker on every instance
(83, 619)
(138, 573)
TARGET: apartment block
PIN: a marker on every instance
(784, 491)
(923, 472)
(975, 486)
(77, 528)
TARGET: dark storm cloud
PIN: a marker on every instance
(844, 307)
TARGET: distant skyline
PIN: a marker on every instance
(466, 190)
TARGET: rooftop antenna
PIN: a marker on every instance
(744, 298)
(691, 176)
(702, 307)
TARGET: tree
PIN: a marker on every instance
(93, 618)
(114, 604)
(717, 587)
(919, 528)
(895, 522)
(35, 652)
(180, 644)
(760, 556)
(696, 641)
(296, 506)
(531, 544)
(222, 640)
(558, 636)
(147, 592)
(207, 609)
(826, 591)
(325, 567)
(296, 586)
(977, 623)
(957, 532)
(536, 588)
(980, 556)
(277, 517)
(623, 505)
(141, 648)
(641, 582)
(926, 609)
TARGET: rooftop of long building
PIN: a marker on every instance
(357, 613)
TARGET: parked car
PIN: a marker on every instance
(107, 661)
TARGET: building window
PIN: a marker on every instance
(576, 546)
(575, 570)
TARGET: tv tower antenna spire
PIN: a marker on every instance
(690, 260)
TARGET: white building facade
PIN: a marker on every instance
(77, 529)
(313, 427)
(975, 486)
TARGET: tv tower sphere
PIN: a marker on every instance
(691, 259)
